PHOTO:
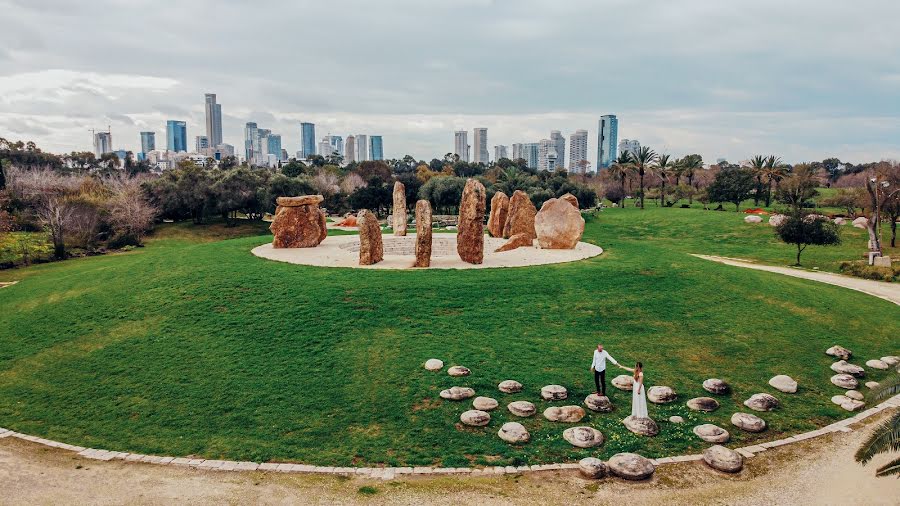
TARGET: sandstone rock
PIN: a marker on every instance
(839, 399)
(839, 352)
(599, 403)
(298, 222)
(753, 219)
(844, 381)
(521, 408)
(470, 237)
(423, 234)
(399, 217)
(891, 360)
(872, 384)
(348, 221)
(572, 199)
(593, 468)
(567, 414)
(554, 393)
(459, 370)
(514, 432)
(558, 225)
(516, 241)
(748, 422)
(853, 405)
(485, 404)
(703, 404)
(761, 402)
(631, 466)
(877, 364)
(855, 395)
(712, 433)
(475, 418)
(371, 249)
(861, 222)
(520, 219)
(661, 395)
(510, 386)
(839, 221)
(715, 386)
(457, 393)
(676, 419)
(641, 426)
(433, 364)
(623, 382)
(583, 437)
(723, 459)
(777, 219)
(497, 218)
(844, 367)
(784, 384)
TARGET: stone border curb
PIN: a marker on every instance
(389, 473)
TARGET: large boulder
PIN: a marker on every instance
(777, 219)
(848, 403)
(748, 422)
(712, 433)
(891, 360)
(715, 386)
(520, 219)
(623, 382)
(723, 459)
(784, 384)
(457, 393)
(861, 222)
(641, 426)
(298, 222)
(753, 219)
(844, 367)
(567, 414)
(458, 370)
(399, 216)
(423, 234)
(514, 432)
(475, 418)
(485, 403)
(554, 393)
(761, 402)
(844, 381)
(510, 386)
(517, 241)
(470, 237)
(572, 199)
(599, 403)
(433, 364)
(558, 225)
(703, 404)
(521, 408)
(877, 364)
(371, 249)
(583, 437)
(497, 218)
(661, 394)
(593, 468)
(839, 352)
(631, 466)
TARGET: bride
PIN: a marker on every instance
(638, 392)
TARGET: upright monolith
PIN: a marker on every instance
(499, 211)
(399, 223)
(470, 238)
(520, 219)
(371, 249)
(423, 234)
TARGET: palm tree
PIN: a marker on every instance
(664, 170)
(758, 166)
(641, 162)
(619, 171)
(774, 171)
(886, 436)
(689, 165)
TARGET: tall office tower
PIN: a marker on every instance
(500, 152)
(518, 151)
(213, 120)
(547, 155)
(261, 145)
(350, 149)
(481, 146)
(376, 147)
(607, 141)
(251, 131)
(531, 153)
(273, 146)
(102, 143)
(632, 146)
(337, 144)
(148, 142)
(461, 145)
(201, 144)
(325, 148)
(578, 145)
(307, 139)
(362, 147)
(559, 143)
(176, 136)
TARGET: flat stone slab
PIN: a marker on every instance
(485, 403)
(554, 393)
(475, 418)
(510, 386)
(845, 381)
(706, 404)
(716, 386)
(840, 352)
(598, 403)
(877, 364)
(748, 422)
(593, 468)
(514, 432)
(458, 370)
(641, 426)
(712, 433)
(661, 394)
(521, 408)
(762, 402)
(567, 414)
(623, 382)
(723, 459)
(583, 437)
(433, 364)
(783, 383)
(303, 200)
(631, 466)
(457, 393)
(844, 367)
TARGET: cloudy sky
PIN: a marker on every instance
(802, 79)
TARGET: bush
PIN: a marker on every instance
(861, 269)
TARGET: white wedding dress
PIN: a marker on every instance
(639, 398)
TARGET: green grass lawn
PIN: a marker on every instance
(191, 347)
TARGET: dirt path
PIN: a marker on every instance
(882, 290)
(819, 471)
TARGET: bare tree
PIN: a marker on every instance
(49, 195)
(130, 214)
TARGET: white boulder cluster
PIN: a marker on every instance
(849, 375)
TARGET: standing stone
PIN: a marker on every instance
(499, 211)
(399, 222)
(371, 249)
(298, 222)
(572, 199)
(423, 234)
(520, 219)
(470, 238)
(558, 225)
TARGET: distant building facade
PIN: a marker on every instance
(102, 143)
(376, 147)
(607, 141)
(176, 136)
(559, 145)
(213, 120)
(480, 144)
(251, 136)
(307, 139)
(350, 149)
(201, 144)
(461, 145)
(578, 146)
(531, 154)
(630, 145)
(148, 142)
(500, 151)
(362, 147)
(547, 155)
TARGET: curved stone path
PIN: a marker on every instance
(887, 291)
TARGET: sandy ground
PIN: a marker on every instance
(399, 253)
(886, 291)
(819, 471)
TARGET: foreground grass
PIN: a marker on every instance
(188, 347)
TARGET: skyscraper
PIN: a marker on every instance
(350, 149)
(518, 151)
(362, 147)
(201, 144)
(531, 154)
(273, 145)
(376, 147)
(547, 155)
(337, 144)
(607, 140)
(461, 145)
(559, 143)
(500, 152)
(176, 136)
(307, 139)
(213, 120)
(325, 147)
(632, 146)
(102, 143)
(148, 142)
(251, 132)
(481, 146)
(578, 144)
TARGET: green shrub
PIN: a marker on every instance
(861, 269)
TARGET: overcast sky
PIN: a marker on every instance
(802, 79)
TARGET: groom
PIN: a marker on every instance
(598, 366)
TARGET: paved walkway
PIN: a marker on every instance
(882, 290)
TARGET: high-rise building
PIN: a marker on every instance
(531, 152)
(102, 143)
(500, 152)
(518, 151)
(261, 146)
(559, 143)
(481, 146)
(578, 145)
(273, 146)
(362, 147)
(376, 147)
(337, 144)
(325, 147)
(632, 146)
(607, 141)
(213, 120)
(350, 149)
(201, 144)
(176, 136)
(547, 155)
(251, 133)
(148, 142)
(307, 139)
(461, 145)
